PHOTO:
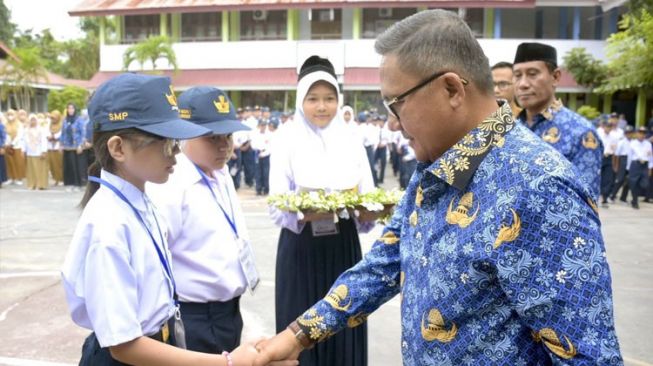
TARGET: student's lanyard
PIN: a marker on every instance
(162, 257)
(231, 220)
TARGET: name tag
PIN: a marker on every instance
(324, 227)
(247, 264)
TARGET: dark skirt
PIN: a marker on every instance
(307, 266)
(72, 168)
(3, 169)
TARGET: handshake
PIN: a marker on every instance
(280, 350)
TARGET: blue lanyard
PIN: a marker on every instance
(162, 257)
(230, 220)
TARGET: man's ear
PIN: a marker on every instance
(556, 74)
(116, 147)
(455, 89)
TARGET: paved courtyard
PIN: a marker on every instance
(36, 227)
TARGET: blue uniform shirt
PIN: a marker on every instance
(575, 137)
(3, 135)
(72, 133)
(497, 253)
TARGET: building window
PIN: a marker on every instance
(517, 23)
(475, 20)
(375, 21)
(326, 23)
(140, 27)
(263, 25)
(201, 27)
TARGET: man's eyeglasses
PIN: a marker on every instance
(502, 85)
(390, 104)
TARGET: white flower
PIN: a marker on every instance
(372, 206)
(424, 261)
(418, 235)
(560, 276)
(464, 277)
(578, 242)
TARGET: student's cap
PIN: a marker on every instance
(536, 52)
(144, 102)
(210, 108)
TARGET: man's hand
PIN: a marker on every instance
(283, 346)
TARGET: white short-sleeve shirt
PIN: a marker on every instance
(114, 282)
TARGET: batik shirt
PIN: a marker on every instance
(497, 254)
(575, 137)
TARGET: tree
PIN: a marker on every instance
(7, 28)
(59, 99)
(630, 52)
(586, 70)
(151, 49)
(20, 74)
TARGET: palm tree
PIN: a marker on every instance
(20, 73)
(151, 49)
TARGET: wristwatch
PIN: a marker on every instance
(304, 340)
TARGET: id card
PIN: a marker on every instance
(246, 259)
(180, 331)
(324, 227)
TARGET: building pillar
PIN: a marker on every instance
(497, 23)
(236, 96)
(163, 24)
(175, 27)
(563, 19)
(225, 26)
(640, 111)
(488, 23)
(593, 100)
(572, 101)
(234, 26)
(613, 21)
(103, 30)
(119, 27)
(291, 25)
(357, 23)
(607, 103)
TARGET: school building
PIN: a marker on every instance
(254, 48)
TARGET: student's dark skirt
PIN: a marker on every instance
(307, 266)
(3, 169)
(72, 165)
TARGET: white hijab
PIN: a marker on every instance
(328, 158)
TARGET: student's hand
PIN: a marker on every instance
(246, 353)
(79, 150)
(283, 346)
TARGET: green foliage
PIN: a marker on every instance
(152, 49)
(59, 99)
(19, 74)
(7, 28)
(588, 112)
(587, 71)
(631, 53)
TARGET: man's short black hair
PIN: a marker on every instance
(502, 65)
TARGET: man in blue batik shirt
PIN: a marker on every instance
(536, 76)
(495, 249)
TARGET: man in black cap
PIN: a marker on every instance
(536, 76)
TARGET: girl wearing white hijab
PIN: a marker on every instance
(317, 151)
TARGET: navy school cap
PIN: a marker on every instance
(210, 108)
(144, 102)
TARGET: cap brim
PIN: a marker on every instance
(175, 129)
(225, 127)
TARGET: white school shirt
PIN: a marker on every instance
(261, 142)
(610, 140)
(35, 141)
(641, 151)
(203, 245)
(113, 279)
(623, 147)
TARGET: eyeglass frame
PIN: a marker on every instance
(401, 97)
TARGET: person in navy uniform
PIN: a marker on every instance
(641, 166)
(536, 76)
(206, 225)
(495, 249)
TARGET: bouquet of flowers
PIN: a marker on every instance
(319, 205)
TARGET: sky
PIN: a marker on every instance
(42, 14)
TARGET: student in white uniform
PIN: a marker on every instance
(206, 226)
(641, 162)
(117, 275)
(317, 151)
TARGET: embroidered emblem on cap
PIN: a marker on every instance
(221, 105)
(118, 116)
(185, 113)
(172, 99)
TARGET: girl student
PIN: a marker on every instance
(117, 274)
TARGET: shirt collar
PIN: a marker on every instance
(133, 194)
(188, 175)
(548, 113)
(458, 164)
